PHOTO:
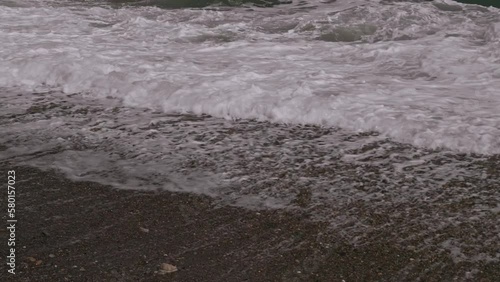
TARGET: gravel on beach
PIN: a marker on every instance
(83, 231)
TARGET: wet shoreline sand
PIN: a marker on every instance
(83, 231)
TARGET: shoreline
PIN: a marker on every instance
(316, 141)
(83, 231)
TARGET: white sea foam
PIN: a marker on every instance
(413, 72)
(345, 177)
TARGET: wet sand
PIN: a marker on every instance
(83, 231)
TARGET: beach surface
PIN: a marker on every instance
(83, 231)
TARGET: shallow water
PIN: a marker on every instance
(359, 183)
(348, 111)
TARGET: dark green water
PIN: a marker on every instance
(494, 3)
(201, 3)
(260, 3)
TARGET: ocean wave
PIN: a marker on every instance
(415, 72)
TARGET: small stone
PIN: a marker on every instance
(167, 268)
(32, 259)
(82, 269)
(38, 262)
(145, 230)
(52, 256)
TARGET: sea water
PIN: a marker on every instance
(358, 105)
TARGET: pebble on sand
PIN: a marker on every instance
(167, 268)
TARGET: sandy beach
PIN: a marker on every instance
(83, 231)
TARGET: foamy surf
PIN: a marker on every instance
(357, 183)
(418, 73)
